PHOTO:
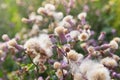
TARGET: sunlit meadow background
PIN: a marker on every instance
(103, 15)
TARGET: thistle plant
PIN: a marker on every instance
(64, 50)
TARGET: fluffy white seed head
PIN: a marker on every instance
(83, 36)
(59, 73)
(34, 17)
(25, 20)
(86, 65)
(78, 76)
(80, 57)
(74, 34)
(115, 57)
(50, 7)
(98, 74)
(110, 62)
(41, 10)
(58, 16)
(72, 55)
(46, 44)
(113, 44)
(86, 27)
(36, 59)
(67, 18)
(12, 42)
(38, 18)
(5, 37)
(83, 45)
(82, 15)
(117, 39)
(91, 49)
(66, 24)
(32, 43)
(56, 65)
(59, 30)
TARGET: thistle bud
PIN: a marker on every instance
(102, 36)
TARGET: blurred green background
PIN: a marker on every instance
(11, 12)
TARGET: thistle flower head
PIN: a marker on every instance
(46, 44)
(36, 59)
(59, 73)
(110, 62)
(116, 57)
(86, 65)
(56, 65)
(5, 37)
(58, 16)
(67, 18)
(82, 15)
(113, 44)
(83, 36)
(50, 7)
(86, 26)
(117, 39)
(32, 43)
(72, 55)
(74, 34)
(12, 42)
(41, 10)
(98, 74)
(78, 76)
(59, 30)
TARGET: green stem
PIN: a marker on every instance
(37, 75)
